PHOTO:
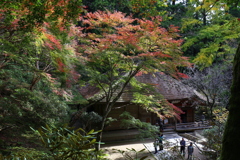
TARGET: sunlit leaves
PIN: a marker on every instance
(189, 23)
(211, 33)
(215, 43)
(131, 38)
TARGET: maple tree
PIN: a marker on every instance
(36, 34)
(117, 48)
(36, 61)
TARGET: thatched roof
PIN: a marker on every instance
(170, 88)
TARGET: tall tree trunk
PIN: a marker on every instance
(231, 140)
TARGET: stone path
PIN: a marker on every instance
(171, 142)
(137, 145)
(171, 145)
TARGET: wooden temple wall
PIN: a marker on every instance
(140, 113)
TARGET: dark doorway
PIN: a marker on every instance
(184, 116)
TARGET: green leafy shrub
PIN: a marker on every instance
(145, 129)
(59, 143)
(213, 144)
(86, 120)
(64, 143)
(21, 153)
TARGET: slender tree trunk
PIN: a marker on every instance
(99, 135)
(110, 103)
(231, 140)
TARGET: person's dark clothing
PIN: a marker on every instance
(182, 146)
(190, 151)
(161, 127)
(160, 123)
(160, 139)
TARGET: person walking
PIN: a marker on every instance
(161, 126)
(190, 151)
(160, 139)
(182, 146)
(155, 144)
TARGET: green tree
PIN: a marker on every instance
(140, 9)
(209, 32)
(111, 5)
